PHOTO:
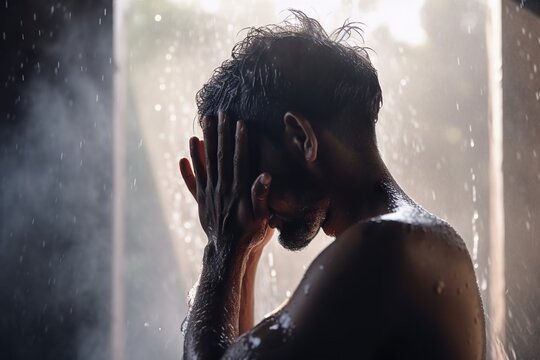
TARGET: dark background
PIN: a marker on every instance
(56, 76)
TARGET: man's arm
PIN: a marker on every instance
(246, 318)
(235, 220)
(213, 318)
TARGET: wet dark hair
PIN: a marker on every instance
(297, 66)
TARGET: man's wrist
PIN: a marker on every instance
(223, 252)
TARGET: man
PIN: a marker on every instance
(289, 144)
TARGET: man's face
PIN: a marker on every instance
(297, 199)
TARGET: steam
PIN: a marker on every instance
(56, 203)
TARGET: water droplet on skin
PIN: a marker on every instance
(321, 267)
(483, 285)
(285, 321)
(183, 327)
(306, 289)
(254, 341)
(439, 287)
(458, 291)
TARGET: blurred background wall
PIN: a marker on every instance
(521, 104)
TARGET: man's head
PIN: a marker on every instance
(291, 83)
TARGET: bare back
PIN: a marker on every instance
(397, 286)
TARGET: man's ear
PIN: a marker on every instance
(300, 134)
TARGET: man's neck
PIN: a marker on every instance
(365, 189)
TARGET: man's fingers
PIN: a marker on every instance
(198, 163)
(224, 149)
(189, 177)
(240, 162)
(210, 142)
(202, 158)
(259, 195)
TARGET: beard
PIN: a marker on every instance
(296, 233)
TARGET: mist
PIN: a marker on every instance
(56, 183)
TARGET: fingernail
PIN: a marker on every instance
(238, 127)
(265, 179)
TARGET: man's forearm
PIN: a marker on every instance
(213, 318)
(247, 297)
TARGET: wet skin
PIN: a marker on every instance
(397, 283)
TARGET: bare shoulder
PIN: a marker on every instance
(419, 275)
(411, 234)
(396, 286)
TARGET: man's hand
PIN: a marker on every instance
(220, 184)
(234, 214)
(256, 243)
